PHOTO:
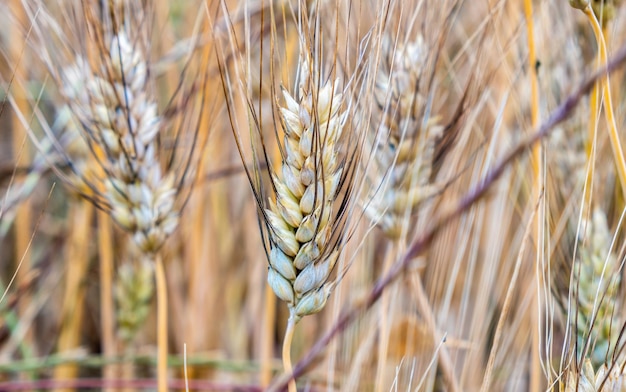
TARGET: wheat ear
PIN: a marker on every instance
(403, 145)
(606, 379)
(300, 218)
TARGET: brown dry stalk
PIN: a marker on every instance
(21, 154)
(506, 307)
(73, 300)
(538, 179)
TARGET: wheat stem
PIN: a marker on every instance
(161, 288)
(608, 102)
(589, 149)
(535, 376)
(534, 86)
(291, 324)
(106, 291)
(268, 335)
(74, 296)
(23, 214)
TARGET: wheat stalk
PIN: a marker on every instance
(586, 7)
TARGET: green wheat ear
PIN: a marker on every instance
(598, 278)
(579, 4)
(133, 292)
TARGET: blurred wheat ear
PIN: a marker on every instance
(134, 171)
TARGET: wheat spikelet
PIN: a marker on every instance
(300, 218)
(404, 146)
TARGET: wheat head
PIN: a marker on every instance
(300, 218)
(403, 145)
(118, 116)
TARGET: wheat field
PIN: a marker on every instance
(370, 195)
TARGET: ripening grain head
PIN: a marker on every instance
(403, 141)
(109, 103)
(301, 218)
